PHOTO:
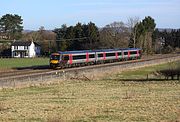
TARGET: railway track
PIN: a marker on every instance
(19, 73)
(40, 73)
(29, 70)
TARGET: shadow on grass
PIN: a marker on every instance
(143, 80)
(33, 67)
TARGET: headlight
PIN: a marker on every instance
(54, 61)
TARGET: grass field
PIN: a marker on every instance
(22, 62)
(108, 99)
(142, 73)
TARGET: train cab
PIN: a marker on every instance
(55, 58)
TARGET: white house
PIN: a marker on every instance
(25, 49)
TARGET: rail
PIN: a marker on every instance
(89, 72)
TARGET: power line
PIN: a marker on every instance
(73, 39)
(6, 41)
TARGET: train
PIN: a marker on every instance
(89, 57)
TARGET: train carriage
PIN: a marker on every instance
(131, 53)
(108, 55)
(85, 57)
(72, 58)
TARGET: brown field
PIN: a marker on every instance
(108, 99)
(93, 101)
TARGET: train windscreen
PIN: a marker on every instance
(55, 57)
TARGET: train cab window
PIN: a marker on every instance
(55, 57)
(91, 56)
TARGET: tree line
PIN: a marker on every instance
(135, 33)
(167, 40)
(78, 37)
(113, 35)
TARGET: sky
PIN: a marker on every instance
(53, 13)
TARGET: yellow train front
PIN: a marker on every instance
(55, 58)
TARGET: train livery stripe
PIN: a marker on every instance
(122, 55)
(137, 54)
(87, 57)
(70, 59)
(116, 55)
(128, 54)
(104, 55)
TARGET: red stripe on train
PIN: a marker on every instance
(116, 55)
(104, 55)
(70, 59)
(137, 54)
(87, 57)
(128, 54)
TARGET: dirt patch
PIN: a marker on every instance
(4, 70)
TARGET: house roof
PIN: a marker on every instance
(23, 43)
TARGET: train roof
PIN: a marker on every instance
(74, 52)
(116, 49)
(100, 50)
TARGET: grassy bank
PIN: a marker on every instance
(143, 73)
(6, 63)
(110, 99)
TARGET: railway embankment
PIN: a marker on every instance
(88, 73)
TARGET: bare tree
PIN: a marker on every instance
(31, 36)
(45, 38)
(114, 35)
(132, 22)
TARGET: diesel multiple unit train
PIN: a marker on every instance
(88, 57)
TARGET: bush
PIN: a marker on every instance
(172, 71)
(167, 49)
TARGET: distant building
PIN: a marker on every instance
(26, 49)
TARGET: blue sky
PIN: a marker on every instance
(53, 13)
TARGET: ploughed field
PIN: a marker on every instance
(126, 96)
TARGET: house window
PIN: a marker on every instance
(16, 47)
(26, 47)
(26, 53)
(15, 54)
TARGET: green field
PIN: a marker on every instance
(108, 99)
(143, 72)
(22, 62)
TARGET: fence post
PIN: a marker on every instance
(29, 79)
(51, 75)
(147, 77)
(64, 77)
(41, 78)
(14, 84)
